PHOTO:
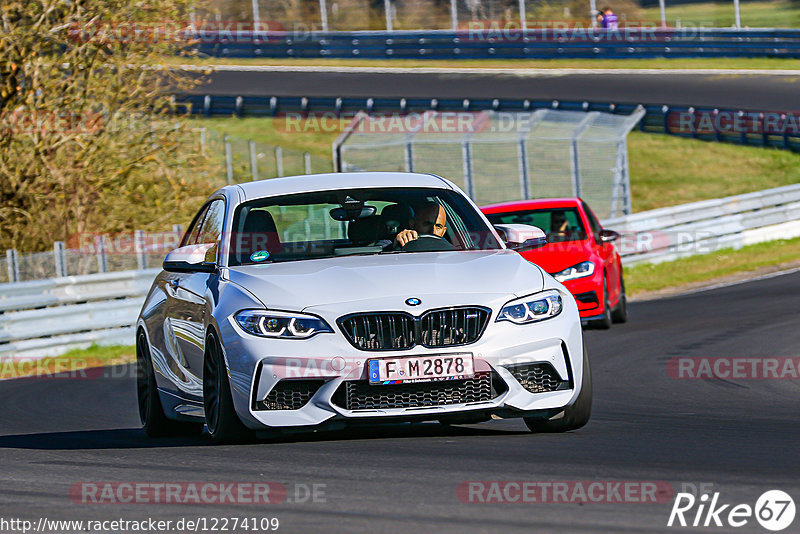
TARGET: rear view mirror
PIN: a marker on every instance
(521, 237)
(347, 213)
(190, 259)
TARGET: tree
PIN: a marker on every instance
(89, 140)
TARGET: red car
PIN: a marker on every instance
(579, 253)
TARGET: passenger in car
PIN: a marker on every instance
(429, 218)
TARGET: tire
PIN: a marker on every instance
(222, 421)
(604, 322)
(151, 412)
(576, 415)
(620, 313)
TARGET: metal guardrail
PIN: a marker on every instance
(489, 43)
(702, 227)
(708, 124)
(48, 317)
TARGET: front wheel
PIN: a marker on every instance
(222, 421)
(151, 412)
(576, 415)
(604, 322)
(620, 313)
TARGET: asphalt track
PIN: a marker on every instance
(751, 91)
(739, 435)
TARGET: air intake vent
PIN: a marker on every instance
(289, 395)
(538, 377)
(360, 395)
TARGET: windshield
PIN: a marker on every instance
(560, 224)
(357, 221)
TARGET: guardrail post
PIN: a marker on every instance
(60, 259)
(307, 162)
(466, 156)
(102, 255)
(12, 260)
(228, 160)
(323, 15)
(138, 246)
(253, 161)
(279, 160)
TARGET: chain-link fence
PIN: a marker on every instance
(348, 15)
(241, 160)
(496, 157)
(304, 16)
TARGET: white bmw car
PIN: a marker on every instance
(319, 301)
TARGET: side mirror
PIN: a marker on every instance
(190, 259)
(607, 236)
(521, 237)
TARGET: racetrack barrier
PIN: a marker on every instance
(498, 43)
(762, 128)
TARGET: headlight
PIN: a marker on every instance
(532, 308)
(585, 268)
(281, 324)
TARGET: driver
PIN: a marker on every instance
(429, 218)
(559, 227)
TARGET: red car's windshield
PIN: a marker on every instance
(560, 224)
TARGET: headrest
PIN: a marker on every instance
(363, 231)
(396, 217)
(259, 233)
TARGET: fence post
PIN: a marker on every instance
(576, 168)
(307, 163)
(323, 15)
(466, 157)
(279, 160)
(409, 156)
(524, 180)
(387, 7)
(253, 161)
(12, 259)
(60, 258)
(138, 246)
(102, 254)
(228, 160)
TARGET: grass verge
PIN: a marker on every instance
(723, 265)
(73, 363)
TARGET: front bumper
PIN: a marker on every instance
(328, 371)
(588, 293)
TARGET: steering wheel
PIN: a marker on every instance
(428, 243)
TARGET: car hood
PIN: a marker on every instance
(555, 257)
(438, 278)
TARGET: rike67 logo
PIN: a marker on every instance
(774, 510)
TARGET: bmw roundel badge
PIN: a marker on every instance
(413, 301)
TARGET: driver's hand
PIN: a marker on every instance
(405, 236)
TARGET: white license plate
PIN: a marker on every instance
(420, 369)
